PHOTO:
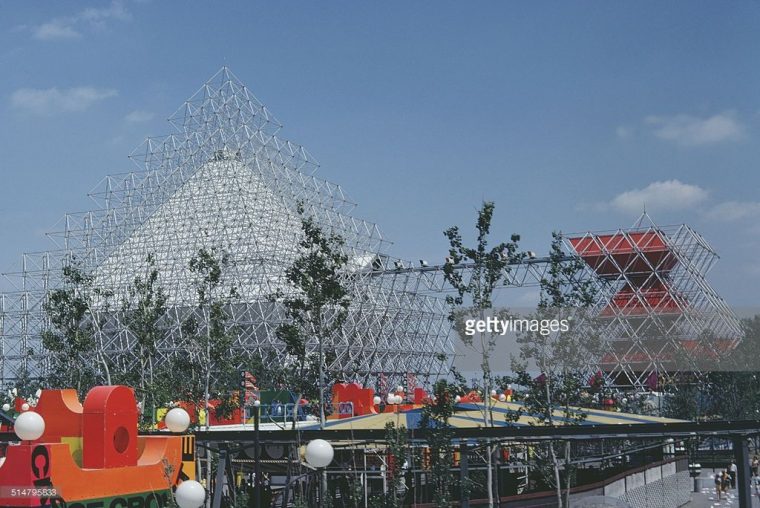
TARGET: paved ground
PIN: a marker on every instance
(709, 499)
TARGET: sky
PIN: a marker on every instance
(570, 116)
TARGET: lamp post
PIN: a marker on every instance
(257, 454)
(319, 454)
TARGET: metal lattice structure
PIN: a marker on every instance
(655, 310)
(225, 180)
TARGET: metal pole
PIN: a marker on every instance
(257, 456)
(464, 498)
(322, 486)
(220, 469)
(741, 456)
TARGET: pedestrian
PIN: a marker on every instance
(732, 470)
(726, 481)
(718, 484)
(756, 483)
(755, 463)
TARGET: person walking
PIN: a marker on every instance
(756, 483)
(718, 485)
(755, 463)
(725, 481)
(732, 471)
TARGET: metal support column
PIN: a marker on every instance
(257, 455)
(221, 467)
(741, 457)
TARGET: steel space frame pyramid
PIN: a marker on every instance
(657, 315)
(224, 180)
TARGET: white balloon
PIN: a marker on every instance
(24, 407)
(399, 399)
(29, 426)
(502, 397)
(6, 407)
(177, 420)
(493, 393)
(319, 453)
(391, 399)
(377, 400)
(190, 494)
(399, 388)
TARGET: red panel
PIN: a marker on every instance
(109, 428)
(362, 398)
(628, 302)
(62, 412)
(611, 255)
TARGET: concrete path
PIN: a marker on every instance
(707, 498)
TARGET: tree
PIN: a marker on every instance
(316, 307)
(141, 314)
(487, 267)
(559, 355)
(398, 448)
(435, 418)
(77, 312)
(209, 368)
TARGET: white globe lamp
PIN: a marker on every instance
(400, 388)
(377, 400)
(24, 407)
(190, 494)
(177, 420)
(29, 426)
(493, 393)
(399, 399)
(502, 398)
(319, 453)
(391, 399)
(256, 403)
(6, 407)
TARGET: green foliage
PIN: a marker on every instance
(208, 370)
(398, 450)
(317, 306)
(435, 418)
(486, 268)
(75, 313)
(141, 314)
(559, 357)
(731, 391)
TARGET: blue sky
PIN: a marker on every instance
(568, 115)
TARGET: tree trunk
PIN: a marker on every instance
(557, 482)
(321, 387)
(550, 420)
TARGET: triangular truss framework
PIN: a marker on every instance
(657, 314)
(225, 180)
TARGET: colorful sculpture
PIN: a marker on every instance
(91, 455)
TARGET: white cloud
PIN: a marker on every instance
(53, 100)
(687, 130)
(624, 132)
(70, 27)
(735, 210)
(665, 195)
(55, 29)
(138, 116)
